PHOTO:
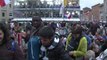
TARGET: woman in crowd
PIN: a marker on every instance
(9, 50)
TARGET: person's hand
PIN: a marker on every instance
(71, 53)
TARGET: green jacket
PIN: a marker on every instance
(82, 48)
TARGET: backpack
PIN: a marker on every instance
(89, 41)
(12, 46)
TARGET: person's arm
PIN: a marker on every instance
(82, 48)
(67, 41)
(63, 55)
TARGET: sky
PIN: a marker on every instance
(85, 3)
(89, 3)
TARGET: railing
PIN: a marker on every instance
(45, 8)
(46, 19)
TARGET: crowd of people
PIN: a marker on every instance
(39, 40)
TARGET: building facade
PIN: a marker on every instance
(94, 14)
(86, 14)
(96, 11)
(105, 11)
(45, 8)
(102, 12)
(6, 12)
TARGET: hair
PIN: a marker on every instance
(63, 24)
(53, 25)
(46, 32)
(36, 18)
(77, 29)
(5, 30)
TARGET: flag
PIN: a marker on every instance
(65, 3)
(4, 2)
(67, 15)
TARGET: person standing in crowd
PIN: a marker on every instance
(93, 28)
(33, 43)
(51, 46)
(9, 49)
(28, 32)
(17, 34)
(63, 30)
(76, 44)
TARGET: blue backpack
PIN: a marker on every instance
(13, 46)
(89, 40)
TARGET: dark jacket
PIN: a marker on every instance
(57, 53)
(6, 52)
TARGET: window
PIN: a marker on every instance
(3, 14)
(10, 5)
(10, 14)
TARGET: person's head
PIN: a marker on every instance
(53, 25)
(77, 30)
(36, 21)
(16, 23)
(4, 33)
(46, 34)
(63, 24)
